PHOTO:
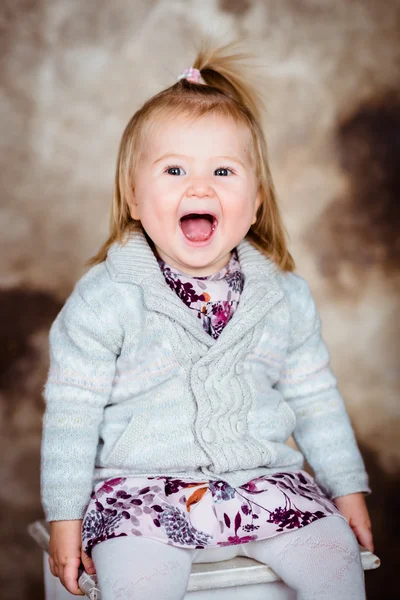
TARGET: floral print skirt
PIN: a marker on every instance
(203, 514)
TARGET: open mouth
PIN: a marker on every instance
(198, 227)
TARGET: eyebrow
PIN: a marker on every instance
(180, 156)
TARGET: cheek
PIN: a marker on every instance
(153, 196)
(240, 204)
(165, 188)
(157, 209)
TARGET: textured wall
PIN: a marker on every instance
(73, 72)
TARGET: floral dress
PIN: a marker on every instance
(206, 513)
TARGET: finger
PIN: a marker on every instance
(70, 579)
(53, 568)
(88, 563)
(368, 541)
(365, 537)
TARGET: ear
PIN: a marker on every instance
(256, 206)
(133, 206)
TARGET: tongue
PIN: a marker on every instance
(196, 229)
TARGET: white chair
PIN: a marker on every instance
(237, 579)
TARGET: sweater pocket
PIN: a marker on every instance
(158, 435)
(271, 418)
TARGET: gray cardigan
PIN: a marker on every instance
(137, 387)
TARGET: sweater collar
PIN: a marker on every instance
(134, 262)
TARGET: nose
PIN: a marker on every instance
(199, 189)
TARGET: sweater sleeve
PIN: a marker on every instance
(323, 431)
(83, 350)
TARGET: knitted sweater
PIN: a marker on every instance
(137, 387)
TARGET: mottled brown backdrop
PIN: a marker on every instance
(73, 72)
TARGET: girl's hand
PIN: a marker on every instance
(65, 554)
(354, 509)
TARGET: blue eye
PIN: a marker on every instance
(223, 171)
(174, 171)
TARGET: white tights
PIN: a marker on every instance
(320, 561)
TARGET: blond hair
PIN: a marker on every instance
(226, 92)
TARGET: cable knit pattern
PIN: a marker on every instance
(137, 387)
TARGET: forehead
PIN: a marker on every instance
(202, 137)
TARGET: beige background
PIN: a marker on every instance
(73, 72)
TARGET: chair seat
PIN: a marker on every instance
(238, 577)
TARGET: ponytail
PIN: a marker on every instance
(226, 71)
